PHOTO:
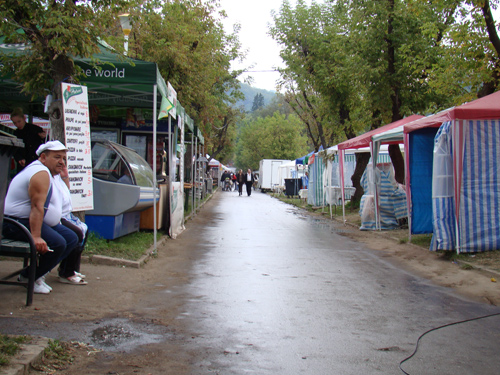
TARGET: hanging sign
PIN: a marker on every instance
(172, 98)
(77, 130)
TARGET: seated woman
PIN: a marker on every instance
(69, 268)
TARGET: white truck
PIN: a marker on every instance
(269, 176)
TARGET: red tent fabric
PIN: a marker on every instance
(365, 139)
(486, 108)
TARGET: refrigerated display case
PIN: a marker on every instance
(123, 187)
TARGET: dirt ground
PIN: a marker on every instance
(115, 292)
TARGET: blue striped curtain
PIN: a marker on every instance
(480, 194)
(479, 219)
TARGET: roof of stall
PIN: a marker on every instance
(484, 108)
(120, 81)
(364, 139)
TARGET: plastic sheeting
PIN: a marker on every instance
(315, 194)
(392, 198)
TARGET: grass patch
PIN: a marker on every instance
(301, 203)
(423, 240)
(131, 247)
(487, 259)
(9, 346)
(56, 356)
(58, 353)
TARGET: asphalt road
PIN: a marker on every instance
(255, 286)
(290, 295)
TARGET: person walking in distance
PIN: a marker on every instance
(240, 177)
(249, 179)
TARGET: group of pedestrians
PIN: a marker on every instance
(39, 198)
(239, 179)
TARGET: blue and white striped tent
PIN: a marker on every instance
(473, 206)
(465, 184)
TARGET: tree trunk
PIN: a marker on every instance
(362, 160)
(398, 163)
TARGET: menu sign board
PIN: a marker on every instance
(77, 130)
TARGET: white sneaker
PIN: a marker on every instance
(42, 280)
(40, 287)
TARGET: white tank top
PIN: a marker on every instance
(17, 200)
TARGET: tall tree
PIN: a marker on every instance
(55, 31)
(187, 40)
(258, 102)
(359, 57)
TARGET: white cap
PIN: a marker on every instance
(51, 146)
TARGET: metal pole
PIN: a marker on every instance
(154, 167)
(170, 177)
(181, 164)
(192, 172)
(196, 174)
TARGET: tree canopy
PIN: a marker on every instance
(272, 137)
(185, 38)
(353, 65)
(187, 41)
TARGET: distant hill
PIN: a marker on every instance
(250, 93)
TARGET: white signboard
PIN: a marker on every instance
(77, 130)
(172, 98)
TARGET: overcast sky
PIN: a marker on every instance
(254, 17)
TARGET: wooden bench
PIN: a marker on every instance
(20, 249)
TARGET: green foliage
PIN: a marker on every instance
(354, 65)
(271, 137)
(9, 346)
(187, 41)
(132, 246)
(54, 31)
(276, 104)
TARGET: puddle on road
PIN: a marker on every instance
(125, 335)
(112, 335)
(321, 223)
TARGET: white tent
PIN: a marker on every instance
(332, 179)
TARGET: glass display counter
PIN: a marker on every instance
(123, 186)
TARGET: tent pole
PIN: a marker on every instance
(170, 177)
(193, 157)
(181, 163)
(374, 153)
(407, 182)
(341, 163)
(195, 173)
(155, 88)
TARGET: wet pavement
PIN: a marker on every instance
(270, 289)
(282, 292)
